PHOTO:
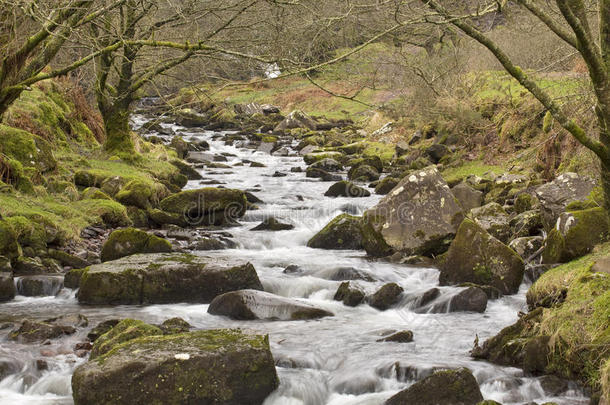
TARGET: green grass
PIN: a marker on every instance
(453, 175)
(579, 327)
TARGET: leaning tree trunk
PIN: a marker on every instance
(118, 130)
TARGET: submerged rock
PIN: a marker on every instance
(405, 336)
(471, 299)
(36, 286)
(224, 367)
(32, 331)
(7, 287)
(272, 224)
(450, 387)
(343, 232)
(130, 241)
(419, 217)
(350, 296)
(386, 297)
(163, 278)
(477, 257)
(252, 304)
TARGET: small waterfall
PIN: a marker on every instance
(38, 286)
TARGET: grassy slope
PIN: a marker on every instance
(499, 125)
(51, 113)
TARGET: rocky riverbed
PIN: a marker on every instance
(328, 347)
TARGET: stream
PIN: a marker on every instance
(334, 360)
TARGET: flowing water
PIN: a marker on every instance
(335, 360)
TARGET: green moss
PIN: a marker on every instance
(8, 241)
(384, 151)
(109, 212)
(136, 193)
(454, 175)
(129, 241)
(269, 139)
(29, 233)
(578, 322)
(124, 331)
(93, 193)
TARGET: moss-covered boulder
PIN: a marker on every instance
(581, 231)
(494, 220)
(327, 164)
(68, 259)
(7, 287)
(311, 158)
(343, 232)
(386, 185)
(29, 149)
(457, 387)
(419, 217)
(162, 278)
(476, 256)
(363, 173)
(9, 247)
(142, 194)
(161, 218)
(94, 193)
(253, 304)
(207, 206)
(346, 189)
(555, 196)
(125, 330)
(224, 367)
(29, 232)
(130, 241)
(373, 161)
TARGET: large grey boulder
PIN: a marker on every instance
(222, 367)
(253, 304)
(477, 257)
(161, 278)
(555, 196)
(449, 387)
(419, 217)
(467, 196)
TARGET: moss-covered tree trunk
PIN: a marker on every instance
(118, 130)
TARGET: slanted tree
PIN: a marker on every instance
(32, 34)
(138, 43)
(570, 21)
